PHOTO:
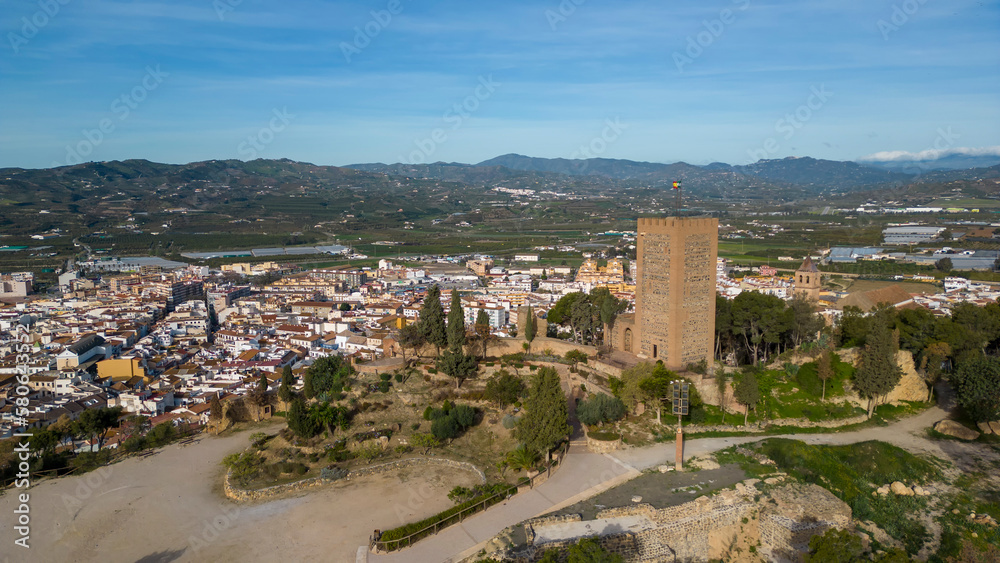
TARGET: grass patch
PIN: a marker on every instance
(848, 471)
(957, 529)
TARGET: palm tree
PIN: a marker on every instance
(522, 458)
(325, 415)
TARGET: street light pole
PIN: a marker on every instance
(680, 408)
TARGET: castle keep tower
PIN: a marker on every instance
(675, 292)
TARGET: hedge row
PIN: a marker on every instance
(392, 538)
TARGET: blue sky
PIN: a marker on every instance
(698, 81)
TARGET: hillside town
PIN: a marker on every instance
(164, 340)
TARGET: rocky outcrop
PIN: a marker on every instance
(955, 430)
(911, 386)
(780, 525)
(900, 489)
(989, 427)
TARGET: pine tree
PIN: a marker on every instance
(432, 319)
(878, 373)
(546, 421)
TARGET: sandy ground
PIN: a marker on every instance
(168, 507)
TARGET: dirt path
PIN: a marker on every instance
(908, 433)
(453, 543)
(168, 507)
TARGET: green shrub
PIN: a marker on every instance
(808, 379)
(445, 428)
(399, 378)
(442, 519)
(604, 436)
(385, 376)
(161, 434)
(464, 415)
(599, 409)
(134, 444)
(383, 386)
(698, 415)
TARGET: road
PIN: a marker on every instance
(585, 474)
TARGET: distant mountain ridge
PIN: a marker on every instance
(950, 162)
(806, 173)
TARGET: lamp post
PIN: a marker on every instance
(680, 408)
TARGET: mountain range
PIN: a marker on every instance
(804, 174)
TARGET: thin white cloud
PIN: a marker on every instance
(930, 154)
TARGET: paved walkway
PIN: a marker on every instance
(585, 474)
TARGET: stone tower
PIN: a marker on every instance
(807, 280)
(674, 317)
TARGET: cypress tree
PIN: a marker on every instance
(482, 328)
(878, 373)
(456, 323)
(530, 328)
(747, 392)
(546, 420)
(824, 369)
(454, 361)
(432, 319)
(287, 379)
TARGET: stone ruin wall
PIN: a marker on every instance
(708, 527)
